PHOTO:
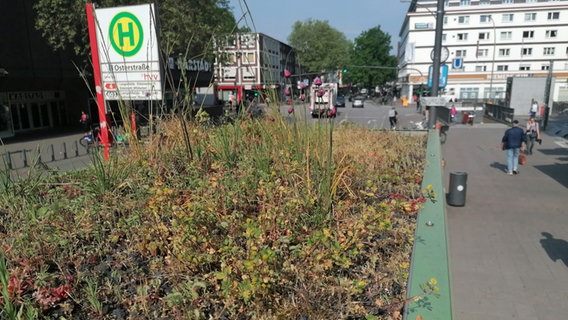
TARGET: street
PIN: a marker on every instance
(373, 115)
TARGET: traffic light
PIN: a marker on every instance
(256, 93)
(344, 70)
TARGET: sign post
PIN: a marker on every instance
(98, 82)
(125, 54)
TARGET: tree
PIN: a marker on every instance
(372, 48)
(187, 26)
(319, 47)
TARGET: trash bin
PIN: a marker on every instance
(458, 188)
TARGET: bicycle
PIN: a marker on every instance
(91, 139)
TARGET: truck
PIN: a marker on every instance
(322, 100)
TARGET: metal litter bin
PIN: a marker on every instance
(458, 189)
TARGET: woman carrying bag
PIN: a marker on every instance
(533, 134)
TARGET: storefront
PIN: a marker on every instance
(31, 110)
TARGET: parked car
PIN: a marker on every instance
(340, 102)
(358, 102)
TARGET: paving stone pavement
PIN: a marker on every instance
(508, 245)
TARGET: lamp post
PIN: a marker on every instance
(437, 49)
(492, 60)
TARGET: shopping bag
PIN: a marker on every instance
(522, 159)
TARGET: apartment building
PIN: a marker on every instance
(484, 43)
(250, 63)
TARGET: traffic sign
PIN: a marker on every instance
(457, 64)
(443, 80)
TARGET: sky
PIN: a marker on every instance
(351, 17)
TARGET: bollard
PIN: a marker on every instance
(52, 152)
(64, 150)
(9, 160)
(458, 189)
(76, 149)
(25, 153)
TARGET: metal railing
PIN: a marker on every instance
(429, 262)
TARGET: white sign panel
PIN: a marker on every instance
(129, 53)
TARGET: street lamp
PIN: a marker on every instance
(493, 59)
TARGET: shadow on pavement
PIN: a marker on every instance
(556, 171)
(554, 152)
(499, 166)
(557, 249)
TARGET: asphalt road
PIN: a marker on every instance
(373, 115)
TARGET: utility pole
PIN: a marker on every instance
(547, 96)
(436, 63)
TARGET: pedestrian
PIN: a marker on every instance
(512, 144)
(84, 120)
(417, 100)
(393, 118)
(533, 134)
(534, 109)
(453, 113)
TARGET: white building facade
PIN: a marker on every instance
(251, 63)
(484, 43)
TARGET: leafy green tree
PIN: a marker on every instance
(187, 26)
(319, 47)
(372, 49)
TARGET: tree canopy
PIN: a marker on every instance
(372, 49)
(187, 26)
(319, 47)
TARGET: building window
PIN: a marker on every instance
(531, 16)
(484, 2)
(462, 36)
(230, 41)
(548, 51)
(247, 40)
(524, 67)
(231, 58)
(463, 19)
(545, 67)
(504, 52)
(506, 35)
(485, 18)
(553, 15)
(465, 2)
(531, 1)
(444, 37)
(551, 33)
(461, 53)
(469, 93)
(503, 68)
(480, 68)
(248, 58)
(507, 17)
(482, 53)
(526, 51)
(483, 36)
(528, 34)
(506, 1)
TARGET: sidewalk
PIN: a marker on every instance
(508, 245)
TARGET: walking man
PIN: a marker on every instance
(512, 143)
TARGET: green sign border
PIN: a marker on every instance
(111, 27)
